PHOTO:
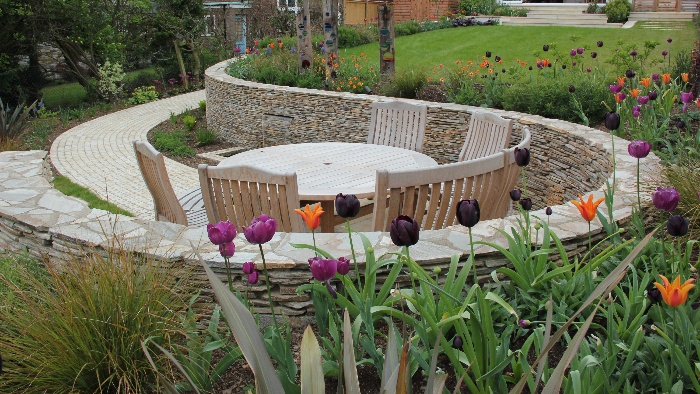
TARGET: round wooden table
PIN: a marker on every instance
(327, 168)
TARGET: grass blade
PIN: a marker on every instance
(352, 382)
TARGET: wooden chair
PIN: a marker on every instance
(397, 124)
(240, 193)
(430, 195)
(187, 210)
(488, 133)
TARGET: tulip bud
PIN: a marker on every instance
(572, 52)
(404, 231)
(572, 89)
(524, 323)
(227, 250)
(253, 277)
(600, 44)
(538, 226)
(563, 66)
(347, 206)
(545, 48)
(488, 54)
(612, 120)
(677, 226)
(594, 55)
(680, 124)
(248, 267)
(669, 40)
(437, 270)
(515, 194)
(331, 290)
(548, 211)
(526, 203)
(522, 157)
(468, 213)
(653, 95)
(343, 266)
(654, 295)
(457, 342)
(630, 74)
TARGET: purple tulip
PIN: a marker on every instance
(588, 69)
(488, 54)
(654, 77)
(655, 296)
(563, 66)
(698, 195)
(653, 95)
(545, 48)
(331, 290)
(248, 267)
(572, 89)
(548, 211)
(665, 199)
(639, 149)
(615, 89)
(642, 99)
(468, 213)
(680, 124)
(497, 59)
(515, 194)
(457, 342)
(594, 55)
(636, 111)
(253, 277)
(686, 97)
(347, 206)
(522, 157)
(622, 96)
(261, 230)
(323, 269)
(227, 250)
(236, 50)
(404, 231)
(633, 54)
(572, 52)
(221, 233)
(600, 44)
(670, 40)
(343, 266)
(579, 51)
(664, 53)
(630, 74)
(573, 64)
(612, 120)
(677, 226)
(526, 203)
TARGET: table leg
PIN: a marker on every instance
(327, 225)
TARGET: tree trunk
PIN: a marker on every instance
(75, 55)
(197, 62)
(180, 63)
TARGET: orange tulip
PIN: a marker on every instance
(645, 82)
(684, 77)
(312, 217)
(545, 62)
(588, 208)
(697, 102)
(634, 92)
(620, 81)
(674, 294)
(666, 78)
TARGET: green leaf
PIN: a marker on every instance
(352, 382)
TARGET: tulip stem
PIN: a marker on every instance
(639, 199)
(228, 274)
(522, 173)
(471, 247)
(673, 343)
(589, 237)
(269, 293)
(354, 259)
(313, 237)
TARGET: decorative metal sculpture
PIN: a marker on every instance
(386, 41)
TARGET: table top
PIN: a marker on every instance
(327, 168)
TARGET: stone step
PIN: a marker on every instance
(668, 16)
(556, 15)
(514, 21)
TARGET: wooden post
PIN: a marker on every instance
(385, 27)
(306, 54)
(330, 35)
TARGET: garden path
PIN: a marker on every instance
(99, 154)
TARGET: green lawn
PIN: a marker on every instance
(65, 186)
(427, 50)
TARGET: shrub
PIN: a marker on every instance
(203, 106)
(81, 329)
(407, 28)
(173, 143)
(143, 94)
(685, 177)
(110, 83)
(618, 11)
(551, 98)
(475, 7)
(12, 122)
(404, 84)
(140, 78)
(352, 36)
(510, 11)
(205, 136)
(189, 122)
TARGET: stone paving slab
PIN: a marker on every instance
(99, 154)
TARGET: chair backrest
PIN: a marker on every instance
(488, 133)
(240, 193)
(152, 165)
(397, 124)
(430, 195)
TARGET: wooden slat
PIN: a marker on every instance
(397, 124)
(487, 134)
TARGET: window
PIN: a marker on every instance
(288, 5)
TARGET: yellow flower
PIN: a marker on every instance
(674, 294)
(587, 208)
(312, 217)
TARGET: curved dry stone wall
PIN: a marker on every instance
(568, 159)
